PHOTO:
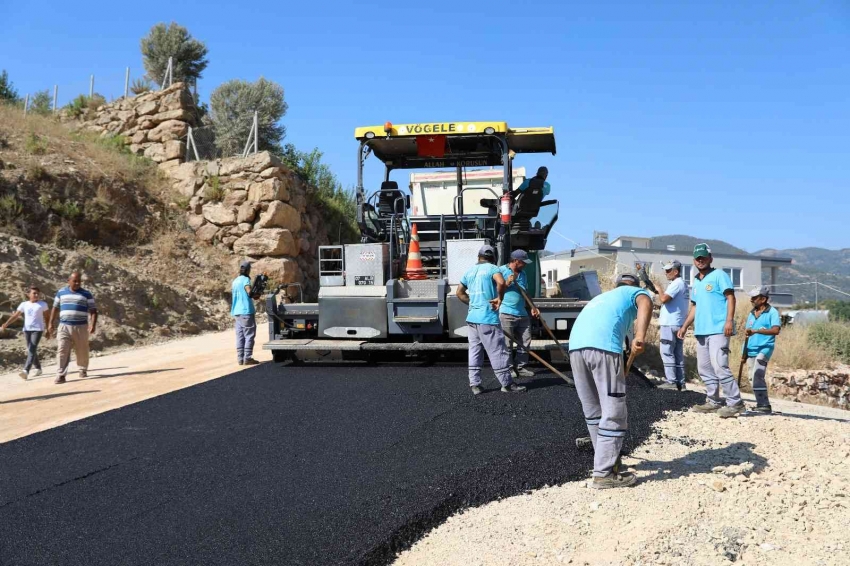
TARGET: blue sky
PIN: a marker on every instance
(726, 120)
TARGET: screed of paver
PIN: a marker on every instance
(114, 380)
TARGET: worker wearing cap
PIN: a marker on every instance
(482, 288)
(243, 313)
(512, 313)
(674, 309)
(712, 313)
(763, 326)
(596, 358)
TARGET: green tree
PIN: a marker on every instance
(188, 54)
(232, 107)
(7, 89)
(42, 103)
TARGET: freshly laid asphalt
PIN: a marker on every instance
(305, 465)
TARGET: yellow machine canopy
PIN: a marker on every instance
(448, 144)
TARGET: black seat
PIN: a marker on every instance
(528, 203)
(388, 199)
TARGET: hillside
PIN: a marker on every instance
(831, 267)
(683, 242)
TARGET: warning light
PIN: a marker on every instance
(388, 128)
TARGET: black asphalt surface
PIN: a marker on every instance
(290, 465)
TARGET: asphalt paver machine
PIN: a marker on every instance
(369, 306)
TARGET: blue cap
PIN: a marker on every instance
(521, 255)
(486, 251)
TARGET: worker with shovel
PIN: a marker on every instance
(674, 309)
(712, 313)
(482, 287)
(596, 358)
(763, 326)
(512, 313)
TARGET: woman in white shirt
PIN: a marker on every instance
(35, 324)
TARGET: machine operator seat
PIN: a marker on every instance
(390, 199)
(528, 204)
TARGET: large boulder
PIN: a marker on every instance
(169, 130)
(188, 171)
(266, 241)
(279, 270)
(270, 189)
(235, 198)
(196, 221)
(174, 149)
(280, 215)
(220, 214)
(156, 152)
(247, 212)
(207, 232)
(147, 108)
(256, 163)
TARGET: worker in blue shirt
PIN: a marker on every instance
(512, 313)
(538, 180)
(243, 312)
(674, 309)
(712, 312)
(596, 358)
(763, 326)
(482, 287)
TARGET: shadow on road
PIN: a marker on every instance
(131, 373)
(703, 461)
(46, 397)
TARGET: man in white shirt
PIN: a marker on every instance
(35, 323)
(674, 309)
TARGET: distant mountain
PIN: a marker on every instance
(687, 243)
(830, 267)
(827, 261)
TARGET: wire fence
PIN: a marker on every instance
(203, 144)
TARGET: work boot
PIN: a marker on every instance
(706, 407)
(682, 386)
(84, 374)
(249, 362)
(476, 390)
(521, 372)
(513, 388)
(763, 409)
(614, 480)
(23, 374)
(667, 386)
(38, 372)
(731, 411)
(59, 380)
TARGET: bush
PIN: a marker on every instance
(232, 107)
(141, 86)
(10, 208)
(8, 93)
(173, 40)
(834, 337)
(214, 191)
(35, 144)
(81, 106)
(41, 103)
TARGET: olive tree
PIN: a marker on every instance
(232, 107)
(172, 40)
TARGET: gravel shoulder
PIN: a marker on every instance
(756, 490)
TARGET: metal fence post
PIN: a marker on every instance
(127, 82)
(256, 131)
(55, 96)
(168, 77)
(91, 87)
(26, 103)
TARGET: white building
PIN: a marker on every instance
(621, 255)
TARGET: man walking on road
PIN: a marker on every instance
(596, 358)
(77, 316)
(674, 309)
(244, 314)
(513, 315)
(34, 312)
(712, 312)
(486, 287)
(763, 326)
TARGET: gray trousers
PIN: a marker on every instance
(520, 328)
(488, 338)
(673, 355)
(713, 366)
(601, 388)
(246, 329)
(33, 337)
(758, 371)
(74, 336)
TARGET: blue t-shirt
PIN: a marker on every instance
(513, 303)
(546, 187)
(674, 311)
(762, 343)
(605, 321)
(481, 289)
(74, 306)
(708, 296)
(242, 303)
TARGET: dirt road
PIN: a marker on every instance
(114, 381)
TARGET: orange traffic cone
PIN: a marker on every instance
(414, 270)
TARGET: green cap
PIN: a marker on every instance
(702, 250)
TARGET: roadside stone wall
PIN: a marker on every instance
(830, 388)
(256, 208)
(154, 123)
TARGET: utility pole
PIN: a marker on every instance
(816, 293)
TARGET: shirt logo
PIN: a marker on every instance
(709, 287)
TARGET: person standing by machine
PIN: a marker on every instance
(513, 315)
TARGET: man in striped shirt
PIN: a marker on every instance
(77, 320)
